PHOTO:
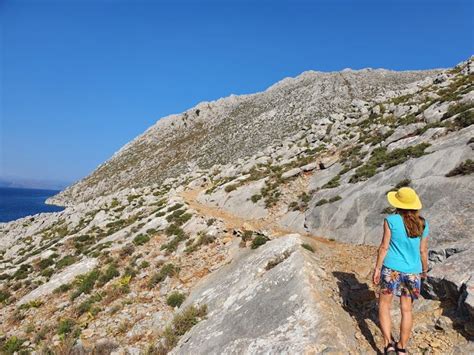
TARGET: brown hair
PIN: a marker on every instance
(414, 223)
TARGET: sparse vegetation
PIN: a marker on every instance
(382, 160)
(182, 323)
(12, 345)
(67, 326)
(4, 295)
(331, 200)
(141, 239)
(88, 305)
(85, 283)
(465, 168)
(308, 247)
(167, 270)
(230, 187)
(255, 198)
(334, 182)
(175, 299)
(258, 241)
(65, 261)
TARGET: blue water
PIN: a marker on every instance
(17, 203)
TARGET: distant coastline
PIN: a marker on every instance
(17, 203)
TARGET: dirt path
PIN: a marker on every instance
(349, 267)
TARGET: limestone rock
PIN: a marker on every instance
(286, 306)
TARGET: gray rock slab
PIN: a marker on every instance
(283, 310)
(64, 277)
(357, 217)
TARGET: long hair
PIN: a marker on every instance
(414, 223)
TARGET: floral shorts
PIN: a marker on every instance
(399, 283)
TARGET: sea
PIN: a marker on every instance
(17, 203)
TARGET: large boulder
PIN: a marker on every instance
(272, 300)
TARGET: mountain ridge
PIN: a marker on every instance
(228, 108)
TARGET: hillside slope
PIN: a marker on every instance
(234, 257)
(234, 127)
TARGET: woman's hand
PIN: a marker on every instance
(424, 275)
(376, 276)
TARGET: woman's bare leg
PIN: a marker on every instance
(385, 302)
(407, 320)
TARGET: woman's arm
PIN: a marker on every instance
(424, 256)
(383, 248)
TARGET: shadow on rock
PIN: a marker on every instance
(360, 302)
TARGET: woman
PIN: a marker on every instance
(402, 260)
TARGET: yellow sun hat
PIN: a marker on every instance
(405, 198)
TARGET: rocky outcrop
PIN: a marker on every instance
(357, 216)
(273, 300)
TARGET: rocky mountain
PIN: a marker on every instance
(249, 225)
(235, 127)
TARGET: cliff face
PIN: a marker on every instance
(264, 238)
(225, 130)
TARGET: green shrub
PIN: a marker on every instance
(12, 345)
(110, 273)
(465, 119)
(4, 295)
(230, 187)
(258, 241)
(294, 206)
(85, 283)
(308, 247)
(334, 182)
(321, 202)
(255, 198)
(210, 221)
(465, 168)
(401, 99)
(65, 261)
(44, 263)
(22, 272)
(141, 239)
(381, 159)
(87, 305)
(408, 120)
(181, 324)
(175, 299)
(457, 108)
(47, 272)
(175, 207)
(63, 288)
(66, 326)
(334, 199)
(247, 235)
(172, 245)
(174, 229)
(114, 203)
(167, 270)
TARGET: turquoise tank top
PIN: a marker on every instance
(403, 252)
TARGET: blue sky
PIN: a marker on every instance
(81, 78)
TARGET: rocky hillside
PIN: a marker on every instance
(264, 245)
(231, 128)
